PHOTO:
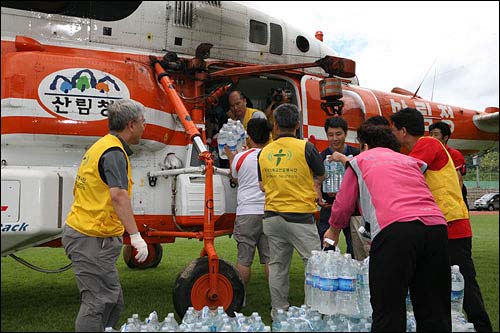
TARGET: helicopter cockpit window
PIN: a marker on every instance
(258, 32)
(276, 45)
(302, 43)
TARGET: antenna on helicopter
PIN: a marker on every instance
(434, 83)
(415, 94)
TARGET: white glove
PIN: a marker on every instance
(140, 245)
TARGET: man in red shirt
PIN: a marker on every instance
(442, 132)
(408, 126)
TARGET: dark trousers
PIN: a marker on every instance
(323, 225)
(461, 255)
(410, 255)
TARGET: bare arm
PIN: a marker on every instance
(123, 208)
(460, 179)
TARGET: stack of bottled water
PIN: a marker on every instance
(296, 319)
(204, 320)
(458, 321)
(337, 285)
(334, 173)
(233, 135)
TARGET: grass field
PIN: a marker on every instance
(40, 302)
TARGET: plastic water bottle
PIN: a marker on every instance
(169, 324)
(338, 171)
(232, 138)
(457, 290)
(308, 283)
(221, 142)
(278, 319)
(347, 302)
(315, 272)
(327, 276)
(328, 184)
(242, 135)
(409, 304)
(191, 316)
(365, 307)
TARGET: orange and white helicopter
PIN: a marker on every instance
(63, 62)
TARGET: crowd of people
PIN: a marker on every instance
(413, 205)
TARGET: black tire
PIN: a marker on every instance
(491, 208)
(196, 275)
(154, 256)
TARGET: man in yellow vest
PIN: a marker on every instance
(101, 212)
(238, 109)
(290, 171)
(442, 179)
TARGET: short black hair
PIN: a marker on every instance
(377, 120)
(259, 129)
(411, 119)
(378, 136)
(443, 127)
(336, 122)
(287, 116)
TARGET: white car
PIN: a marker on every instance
(489, 201)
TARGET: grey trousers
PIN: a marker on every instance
(283, 237)
(360, 247)
(94, 263)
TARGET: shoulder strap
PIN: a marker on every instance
(242, 158)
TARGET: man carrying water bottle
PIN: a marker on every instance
(336, 133)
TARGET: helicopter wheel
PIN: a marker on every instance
(155, 253)
(192, 285)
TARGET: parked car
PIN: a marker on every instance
(489, 201)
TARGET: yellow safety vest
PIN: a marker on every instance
(92, 213)
(446, 191)
(286, 177)
(248, 116)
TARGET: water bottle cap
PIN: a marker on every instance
(455, 268)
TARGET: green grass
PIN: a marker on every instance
(37, 302)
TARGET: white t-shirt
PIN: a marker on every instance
(250, 198)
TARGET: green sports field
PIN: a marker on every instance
(41, 302)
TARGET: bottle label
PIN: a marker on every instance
(457, 295)
(325, 284)
(346, 284)
(315, 279)
(335, 284)
(309, 279)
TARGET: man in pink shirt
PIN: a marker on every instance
(408, 233)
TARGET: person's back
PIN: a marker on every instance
(442, 131)
(407, 231)
(286, 170)
(248, 231)
(387, 182)
(443, 182)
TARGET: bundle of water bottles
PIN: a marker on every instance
(204, 320)
(458, 321)
(233, 135)
(334, 174)
(335, 284)
(305, 319)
